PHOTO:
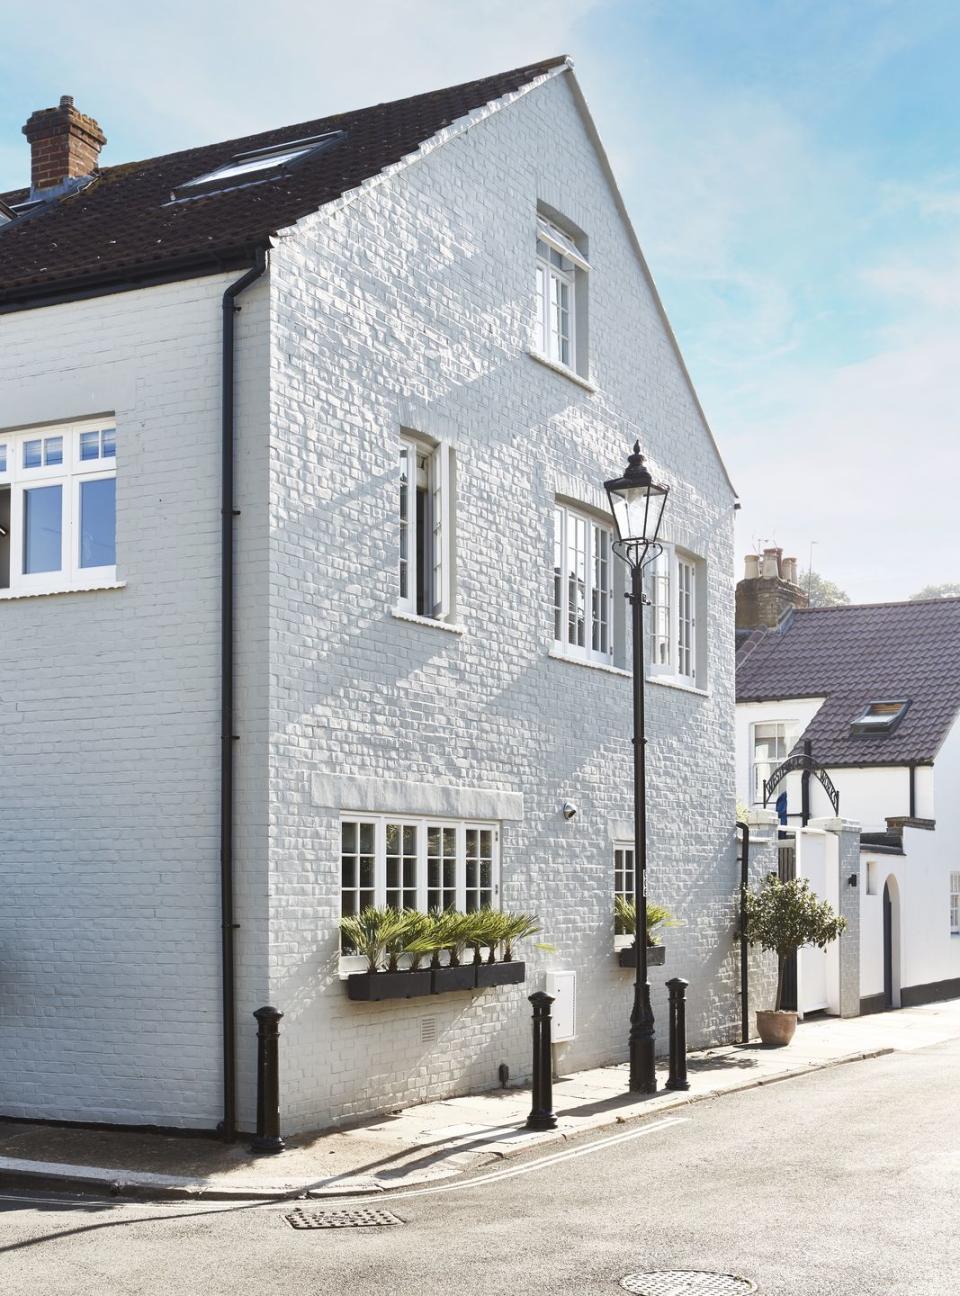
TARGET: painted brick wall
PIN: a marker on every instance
(412, 305)
(109, 725)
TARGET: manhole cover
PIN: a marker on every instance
(304, 1219)
(686, 1282)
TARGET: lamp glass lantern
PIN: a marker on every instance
(637, 503)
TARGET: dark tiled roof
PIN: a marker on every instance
(856, 654)
(124, 225)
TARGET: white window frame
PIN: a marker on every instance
(621, 887)
(69, 475)
(955, 904)
(674, 647)
(790, 734)
(550, 278)
(596, 550)
(422, 823)
(436, 460)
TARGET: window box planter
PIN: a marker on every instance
(371, 987)
(454, 978)
(496, 974)
(655, 956)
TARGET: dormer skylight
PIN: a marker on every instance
(256, 165)
(879, 717)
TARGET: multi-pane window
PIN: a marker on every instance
(426, 542)
(415, 863)
(623, 880)
(773, 740)
(561, 267)
(672, 590)
(58, 507)
(582, 586)
(955, 904)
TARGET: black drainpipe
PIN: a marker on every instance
(228, 1126)
(744, 830)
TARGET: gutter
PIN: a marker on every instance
(228, 1126)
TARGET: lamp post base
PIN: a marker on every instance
(643, 1040)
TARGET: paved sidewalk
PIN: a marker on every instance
(436, 1140)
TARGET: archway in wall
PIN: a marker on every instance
(891, 943)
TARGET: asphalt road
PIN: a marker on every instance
(845, 1182)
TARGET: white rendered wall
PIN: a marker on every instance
(109, 724)
(867, 796)
(928, 952)
(413, 306)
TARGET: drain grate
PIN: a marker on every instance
(686, 1282)
(304, 1219)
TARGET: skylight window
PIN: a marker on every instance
(256, 165)
(879, 717)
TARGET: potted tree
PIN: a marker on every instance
(782, 918)
(625, 912)
(450, 931)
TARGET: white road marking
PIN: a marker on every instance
(374, 1200)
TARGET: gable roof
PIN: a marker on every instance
(856, 654)
(123, 224)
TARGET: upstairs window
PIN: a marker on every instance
(955, 904)
(426, 529)
(773, 741)
(672, 587)
(561, 297)
(58, 508)
(879, 718)
(582, 586)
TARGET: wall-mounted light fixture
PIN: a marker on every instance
(569, 810)
(852, 880)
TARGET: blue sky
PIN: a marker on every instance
(792, 168)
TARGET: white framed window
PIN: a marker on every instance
(623, 879)
(672, 582)
(560, 281)
(426, 528)
(58, 508)
(418, 863)
(771, 744)
(582, 586)
(955, 904)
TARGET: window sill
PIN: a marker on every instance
(62, 589)
(416, 619)
(562, 369)
(591, 665)
(669, 682)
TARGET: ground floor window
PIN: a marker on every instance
(623, 884)
(413, 863)
(955, 904)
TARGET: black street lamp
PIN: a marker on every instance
(637, 503)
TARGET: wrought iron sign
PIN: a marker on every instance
(802, 761)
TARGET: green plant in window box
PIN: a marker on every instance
(380, 935)
(625, 912)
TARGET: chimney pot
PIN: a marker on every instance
(771, 563)
(790, 570)
(64, 145)
(751, 566)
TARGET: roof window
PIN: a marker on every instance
(256, 165)
(879, 717)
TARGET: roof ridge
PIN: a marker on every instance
(851, 607)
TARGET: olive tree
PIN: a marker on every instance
(783, 917)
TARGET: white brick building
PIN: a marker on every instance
(453, 276)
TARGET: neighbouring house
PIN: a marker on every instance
(307, 600)
(862, 701)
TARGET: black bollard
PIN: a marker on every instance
(541, 1113)
(678, 1034)
(268, 1081)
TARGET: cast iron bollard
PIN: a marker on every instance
(268, 1081)
(678, 1034)
(541, 1113)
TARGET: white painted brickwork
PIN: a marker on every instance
(412, 306)
(109, 725)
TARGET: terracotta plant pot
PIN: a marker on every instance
(776, 1028)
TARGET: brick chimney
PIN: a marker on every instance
(768, 591)
(64, 145)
